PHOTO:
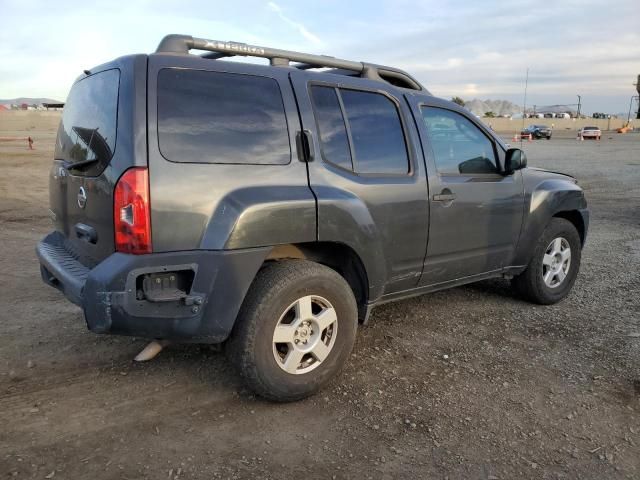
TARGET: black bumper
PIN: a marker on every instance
(108, 293)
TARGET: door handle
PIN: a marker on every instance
(304, 144)
(445, 196)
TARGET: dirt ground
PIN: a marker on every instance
(466, 383)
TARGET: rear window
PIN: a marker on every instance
(87, 131)
(213, 117)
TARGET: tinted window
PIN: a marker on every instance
(212, 117)
(88, 127)
(333, 133)
(459, 146)
(376, 132)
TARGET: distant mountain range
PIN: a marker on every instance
(505, 107)
(499, 107)
(27, 100)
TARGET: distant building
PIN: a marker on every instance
(53, 106)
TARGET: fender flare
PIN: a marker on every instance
(548, 199)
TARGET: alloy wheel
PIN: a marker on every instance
(556, 262)
(305, 334)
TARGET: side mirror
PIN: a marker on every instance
(515, 159)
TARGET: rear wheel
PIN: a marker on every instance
(295, 330)
(554, 265)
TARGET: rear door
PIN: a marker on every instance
(476, 211)
(101, 134)
(367, 175)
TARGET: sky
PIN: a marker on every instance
(473, 49)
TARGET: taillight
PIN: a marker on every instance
(131, 216)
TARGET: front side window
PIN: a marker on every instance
(214, 117)
(459, 146)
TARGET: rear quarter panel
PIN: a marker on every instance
(227, 206)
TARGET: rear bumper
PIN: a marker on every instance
(108, 293)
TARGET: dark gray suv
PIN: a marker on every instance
(271, 207)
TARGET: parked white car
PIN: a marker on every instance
(590, 132)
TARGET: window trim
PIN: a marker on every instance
(496, 157)
(284, 112)
(403, 125)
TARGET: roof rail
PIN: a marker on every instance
(183, 43)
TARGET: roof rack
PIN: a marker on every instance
(282, 58)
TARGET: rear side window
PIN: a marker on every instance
(458, 145)
(87, 131)
(213, 117)
(333, 132)
(376, 131)
(364, 134)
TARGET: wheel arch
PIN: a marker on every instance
(552, 197)
(578, 221)
(337, 256)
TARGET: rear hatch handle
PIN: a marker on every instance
(86, 233)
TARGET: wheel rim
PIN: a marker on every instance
(556, 262)
(305, 334)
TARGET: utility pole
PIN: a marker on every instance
(631, 106)
(579, 99)
(637, 85)
(524, 106)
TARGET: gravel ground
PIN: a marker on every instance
(466, 383)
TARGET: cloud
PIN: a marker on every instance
(446, 44)
(297, 25)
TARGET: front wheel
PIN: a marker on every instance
(295, 330)
(554, 265)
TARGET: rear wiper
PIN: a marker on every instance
(73, 165)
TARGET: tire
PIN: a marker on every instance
(549, 137)
(278, 294)
(532, 283)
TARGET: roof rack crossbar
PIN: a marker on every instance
(181, 44)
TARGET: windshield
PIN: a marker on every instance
(87, 132)
(591, 128)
